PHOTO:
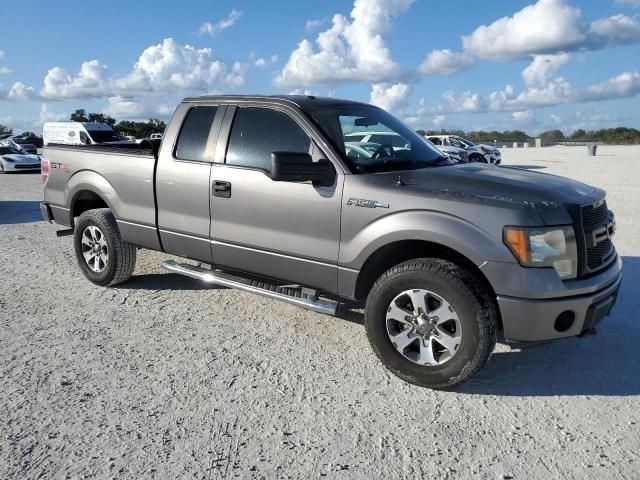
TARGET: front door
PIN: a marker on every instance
(284, 230)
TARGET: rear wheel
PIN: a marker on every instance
(104, 258)
(477, 158)
(1, 167)
(430, 323)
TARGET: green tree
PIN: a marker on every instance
(4, 130)
(79, 115)
(101, 118)
(552, 136)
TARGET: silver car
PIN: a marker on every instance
(13, 160)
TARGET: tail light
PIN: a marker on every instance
(44, 169)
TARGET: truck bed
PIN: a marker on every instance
(75, 172)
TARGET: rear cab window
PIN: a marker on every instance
(194, 134)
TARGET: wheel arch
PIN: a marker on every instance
(394, 253)
(89, 190)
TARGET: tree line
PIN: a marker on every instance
(123, 127)
(611, 136)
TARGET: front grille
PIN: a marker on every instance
(593, 216)
(599, 255)
(597, 227)
(27, 166)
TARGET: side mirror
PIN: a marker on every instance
(299, 167)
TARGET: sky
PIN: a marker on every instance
(465, 64)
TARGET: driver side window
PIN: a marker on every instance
(257, 132)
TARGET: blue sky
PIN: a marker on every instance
(456, 64)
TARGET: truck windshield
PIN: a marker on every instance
(371, 140)
(102, 136)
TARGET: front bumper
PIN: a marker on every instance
(11, 167)
(535, 320)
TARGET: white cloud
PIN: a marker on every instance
(212, 29)
(170, 66)
(542, 67)
(446, 62)
(1, 54)
(314, 24)
(5, 71)
(140, 107)
(20, 91)
(390, 97)
(351, 50)
(615, 30)
(265, 62)
(547, 27)
(88, 82)
(466, 102)
(49, 115)
(523, 116)
(625, 85)
(632, 3)
(438, 120)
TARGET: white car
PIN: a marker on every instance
(477, 153)
(13, 160)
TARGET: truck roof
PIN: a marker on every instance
(301, 101)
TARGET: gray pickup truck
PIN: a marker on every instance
(260, 193)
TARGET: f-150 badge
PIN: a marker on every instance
(361, 202)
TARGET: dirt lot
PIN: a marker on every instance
(161, 378)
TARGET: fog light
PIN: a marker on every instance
(564, 321)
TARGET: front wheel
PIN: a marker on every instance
(104, 258)
(430, 323)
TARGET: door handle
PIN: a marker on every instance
(221, 189)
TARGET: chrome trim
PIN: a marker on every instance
(171, 232)
(136, 224)
(232, 281)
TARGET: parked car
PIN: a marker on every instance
(459, 155)
(19, 144)
(14, 160)
(156, 136)
(260, 193)
(477, 153)
(80, 133)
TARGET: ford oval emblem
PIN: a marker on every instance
(71, 134)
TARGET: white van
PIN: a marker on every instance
(77, 133)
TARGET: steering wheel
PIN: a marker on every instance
(383, 151)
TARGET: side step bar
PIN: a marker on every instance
(327, 307)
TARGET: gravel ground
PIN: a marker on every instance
(162, 378)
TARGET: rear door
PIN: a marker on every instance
(285, 230)
(183, 180)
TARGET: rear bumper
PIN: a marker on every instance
(535, 320)
(45, 210)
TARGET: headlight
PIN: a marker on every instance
(545, 247)
(11, 160)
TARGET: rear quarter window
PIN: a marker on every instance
(194, 134)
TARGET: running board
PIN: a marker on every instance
(327, 307)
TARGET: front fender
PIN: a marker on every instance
(453, 232)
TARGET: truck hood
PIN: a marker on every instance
(493, 184)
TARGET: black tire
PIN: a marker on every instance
(476, 158)
(1, 167)
(121, 255)
(473, 306)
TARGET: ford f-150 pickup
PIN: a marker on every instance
(261, 194)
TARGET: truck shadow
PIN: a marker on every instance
(604, 364)
(19, 211)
